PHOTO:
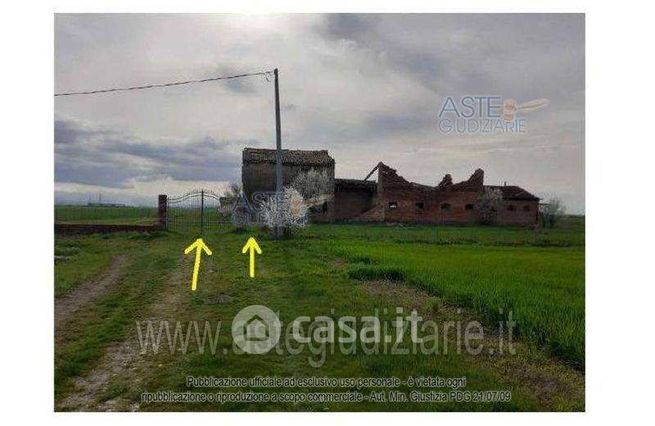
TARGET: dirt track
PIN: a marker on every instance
(121, 359)
(87, 292)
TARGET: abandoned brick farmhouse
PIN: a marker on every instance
(391, 198)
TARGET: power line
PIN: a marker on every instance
(267, 74)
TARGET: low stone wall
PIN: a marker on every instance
(79, 228)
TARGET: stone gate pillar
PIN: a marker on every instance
(161, 210)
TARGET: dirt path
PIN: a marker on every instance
(123, 359)
(87, 292)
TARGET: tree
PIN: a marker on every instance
(315, 186)
(552, 212)
(232, 193)
(241, 216)
(284, 211)
(234, 203)
(488, 204)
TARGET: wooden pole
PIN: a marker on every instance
(162, 210)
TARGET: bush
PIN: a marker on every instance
(551, 212)
(487, 206)
(315, 187)
(285, 211)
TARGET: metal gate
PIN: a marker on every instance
(196, 211)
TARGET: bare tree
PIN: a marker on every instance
(241, 216)
(232, 192)
(551, 212)
(488, 205)
(234, 204)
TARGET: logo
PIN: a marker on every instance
(256, 329)
(485, 114)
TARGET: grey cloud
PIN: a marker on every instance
(240, 86)
(406, 123)
(95, 155)
(348, 25)
(87, 171)
(70, 132)
(366, 87)
(476, 53)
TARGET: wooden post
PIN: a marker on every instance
(161, 210)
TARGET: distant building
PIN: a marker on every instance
(392, 198)
(258, 172)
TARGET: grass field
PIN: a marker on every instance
(445, 273)
(179, 219)
(121, 215)
(537, 276)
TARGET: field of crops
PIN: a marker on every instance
(110, 215)
(445, 272)
(538, 276)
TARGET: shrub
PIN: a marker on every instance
(551, 212)
(285, 211)
(487, 206)
(315, 187)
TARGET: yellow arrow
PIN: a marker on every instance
(253, 247)
(199, 245)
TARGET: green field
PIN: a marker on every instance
(179, 219)
(446, 273)
(122, 215)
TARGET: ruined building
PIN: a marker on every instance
(258, 173)
(392, 198)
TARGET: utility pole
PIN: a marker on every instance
(202, 211)
(278, 137)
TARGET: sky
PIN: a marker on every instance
(367, 88)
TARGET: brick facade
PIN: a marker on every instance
(392, 198)
(258, 173)
(450, 203)
(405, 201)
(353, 198)
(518, 213)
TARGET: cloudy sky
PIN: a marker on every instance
(366, 87)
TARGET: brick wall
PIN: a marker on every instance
(403, 201)
(429, 206)
(518, 212)
(374, 214)
(259, 177)
(352, 202)
(456, 207)
(395, 199)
